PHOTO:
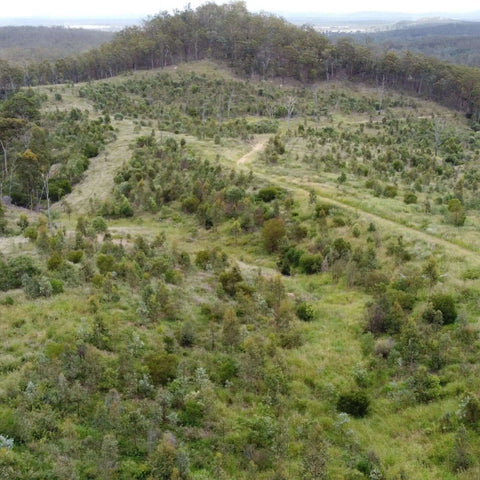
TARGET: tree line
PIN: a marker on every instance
(255, 45)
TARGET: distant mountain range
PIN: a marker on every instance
(375, 18)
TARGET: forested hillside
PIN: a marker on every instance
(258, 45)
(20, 45)
(450, 42)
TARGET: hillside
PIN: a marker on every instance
(24, 44)
(237, 279)
(455, 42)
(256, 46)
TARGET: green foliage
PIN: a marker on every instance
(445, 303)
(273, 232)
(267, 194)
(310, 263)
(75, 256)
(58, 187)
(99, 225)
(425, 386)
(211, 259)
(105, 263)
(162, 367)
(390, 191)
(354, 403)
(13, 270)
(230, 280)
(55, 261)
(305, 311)
(409, 198)
(456, 212)
(36, 287)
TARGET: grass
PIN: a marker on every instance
(408, 440)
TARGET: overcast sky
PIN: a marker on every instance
(142, 8)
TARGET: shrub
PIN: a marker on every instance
(456, 212)
(105, 263)
(125, 209)
(305, 311)
(75, 256)
(227, 369)
(409, 198)
(190, 204)
(31, 233)
(99, 225)
(311, 263)
(469, 411)
(162, 367)
(22, 221)
(192, 413)
(272, 233)
(90, 150)
(230, 280)
(390, 191)
(267, 194)
(36, 287)
(11, 273)
(425, 386)
(445, 303)
(57, 286)
(58, 187)
(211, 259)
(55, 261)
(354, 403)
(187, 335)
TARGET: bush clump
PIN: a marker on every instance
(445, 303)
(354, 403)
(305, 312)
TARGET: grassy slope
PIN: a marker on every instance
(402, 439)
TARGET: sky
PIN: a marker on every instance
(143, 8)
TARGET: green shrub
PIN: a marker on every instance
(456, 212)
(425, 386)
(192, 413)
(267, 194)
(409, 198)
(105, 263)
(445, 303)
(75, 256)
(55, 261)
(273, 232)
(162, 367)
(305, 312)
(125, 209)
(227, 369)
(354, 403)
(22, 222)
(311, 263)
(90, 150)
(230, 279)
(57, 286)
(390, 191)
(7, 301)
(35, 287)
(11, 272)
(99, 225)
(31, 233)
(58, 187)
(190, 204)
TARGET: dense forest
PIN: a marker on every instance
(449, 42)
(238, 251)
(20, 45)
(254, 45)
